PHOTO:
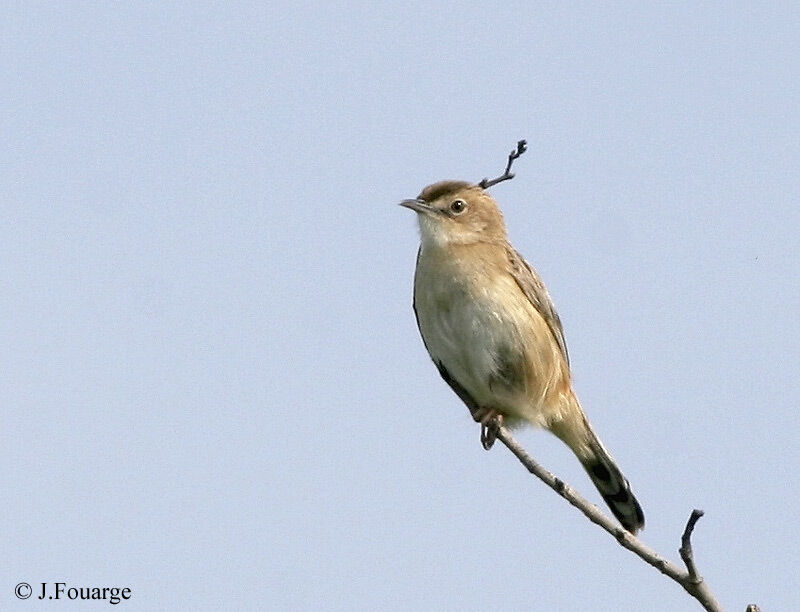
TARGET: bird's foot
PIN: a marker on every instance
(490, 421)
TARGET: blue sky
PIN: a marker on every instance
(212, 386)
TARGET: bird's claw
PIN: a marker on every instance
(490, 421)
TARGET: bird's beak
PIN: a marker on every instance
(417, 205)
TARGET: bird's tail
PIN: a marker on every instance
(602, 469)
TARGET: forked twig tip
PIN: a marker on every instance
(522, 146)
(685, 550)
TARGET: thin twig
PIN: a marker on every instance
(522, 146)
(690, 580)
(685, 550)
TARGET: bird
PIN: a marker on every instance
(493, 332)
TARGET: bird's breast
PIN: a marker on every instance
(477, 323)
(467, 321)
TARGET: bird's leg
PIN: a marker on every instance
(489, 431)
(490, 421)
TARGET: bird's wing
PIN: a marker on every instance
(533, 288)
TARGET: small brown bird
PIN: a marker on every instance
(492, 330)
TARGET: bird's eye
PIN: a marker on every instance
(458, 206)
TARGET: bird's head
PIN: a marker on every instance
(457, 212)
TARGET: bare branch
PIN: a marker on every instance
(686, 546)
(690, 580)
(522, 146)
